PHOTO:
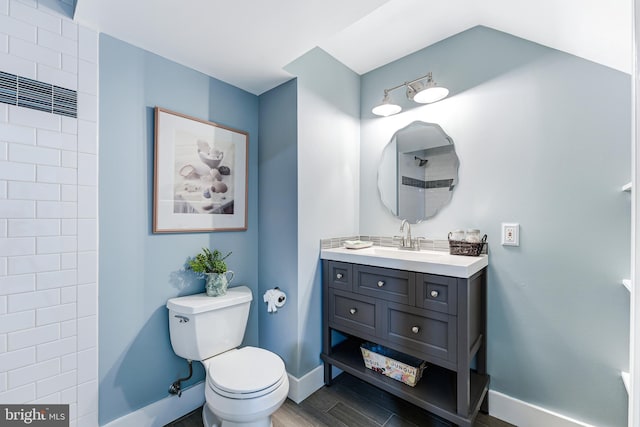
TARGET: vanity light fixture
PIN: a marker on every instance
(418, 90)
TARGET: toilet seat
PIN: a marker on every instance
(245, 373)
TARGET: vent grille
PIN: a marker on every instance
(29, 93)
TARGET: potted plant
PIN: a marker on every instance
(214, 268)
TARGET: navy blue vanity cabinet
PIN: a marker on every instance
(439, 319)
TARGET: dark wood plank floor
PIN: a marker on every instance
(350, 402)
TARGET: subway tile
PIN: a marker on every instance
(55, 314)
(20, 134)
(4, 113)
(32, 154)
(3, 227)
(87, 398)
(55, 279)
(32, 52)
(32, 337)
(56, 76)
(88, 420)
(87, 169)
(69, 227)
(68, 363)
(68, 295)
(19, 29)
(15, 284)
(56, 245)
(33, 191)
(3, 344)
(19, 66)
(3, 305)
(69, 142)
(87, 77)
(87, 300)
(87, 107)
(69, 193)
(34, 118)
(47, 209)
(87, 235)
(87, 202)
(17, 171)
(12, 322)
(17, 359)
(48, 138)
(33, 264)
(32, 300)
(17, 208)
(4, 151)
(49, 399)
(70, 125)
(87, 137)
(4, 7)
(30, 3)
(55, 41)
(33, 373)
(70, 30)
(3, 190)
(3, 266)
(19, 395)
(68, 261)
(57, 383)
(69, 159)
(4, 43)
(33, 227)
(36, 17)
(87, 44)
(87, 267)
(57, 348)
(55, 174)
(69, 328)
(16, 246)
(87, 365)
(87, 333)
(3, 382)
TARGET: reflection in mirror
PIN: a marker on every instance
(418, 171)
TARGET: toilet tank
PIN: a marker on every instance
(201, 326)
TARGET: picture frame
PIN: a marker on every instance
(200, 175)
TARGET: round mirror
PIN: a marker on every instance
(418, 171)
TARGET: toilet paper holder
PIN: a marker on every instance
(275, 299)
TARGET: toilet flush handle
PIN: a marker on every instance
(183, 319)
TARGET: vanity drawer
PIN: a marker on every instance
(390, 285)
(438, 293)
(428, 332)
(352, 312)
(340, 275)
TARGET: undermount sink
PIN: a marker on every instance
(423, 261)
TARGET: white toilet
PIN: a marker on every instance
(244, 386)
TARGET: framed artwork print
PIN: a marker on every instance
(200, 175)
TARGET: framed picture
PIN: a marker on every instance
(200, 175)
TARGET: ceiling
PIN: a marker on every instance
(247, 43)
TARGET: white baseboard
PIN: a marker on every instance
(163, 411)
(523, 414)
(301, 388)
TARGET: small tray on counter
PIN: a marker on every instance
(357, 244)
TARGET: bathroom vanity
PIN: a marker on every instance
(427, 304)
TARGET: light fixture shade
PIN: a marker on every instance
(431, 94)
(386, 108)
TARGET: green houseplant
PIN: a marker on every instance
(213, 266)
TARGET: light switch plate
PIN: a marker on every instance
(510, 234)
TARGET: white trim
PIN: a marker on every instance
(524, 414)
(163, 411)
(301, 388)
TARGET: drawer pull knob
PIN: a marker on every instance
(380, 283)
(415, 329)
(339, 276)
(353, 310)
(435, 294)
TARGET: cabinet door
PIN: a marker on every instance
(340, 275)
(384, 283)
(428, 332)
(352, 313)
(437, 293)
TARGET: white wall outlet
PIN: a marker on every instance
(510, 234)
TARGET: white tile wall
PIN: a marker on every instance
(48, 180)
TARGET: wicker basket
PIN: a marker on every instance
(461, 247)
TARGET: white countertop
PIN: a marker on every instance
(433, 262)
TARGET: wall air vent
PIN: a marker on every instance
(29, 93)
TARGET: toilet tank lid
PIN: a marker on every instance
(199, 303)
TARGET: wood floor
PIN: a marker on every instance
(350, 402)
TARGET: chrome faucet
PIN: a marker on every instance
(407, 241)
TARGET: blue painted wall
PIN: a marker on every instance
(139, 271)
(543, 139)
(278, 219)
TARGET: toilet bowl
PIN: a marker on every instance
(244, 386)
